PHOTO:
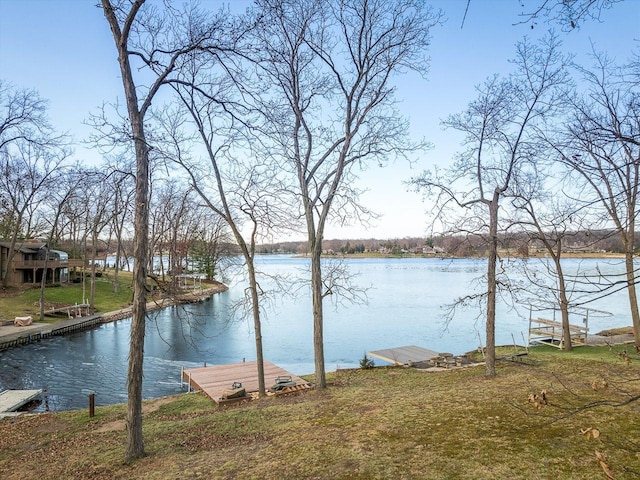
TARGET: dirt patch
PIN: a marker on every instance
(147, 407)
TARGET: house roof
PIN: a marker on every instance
(25, 247)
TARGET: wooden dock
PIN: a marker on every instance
(214, 380)
(12, 400)
(12, 336)
(404, 355)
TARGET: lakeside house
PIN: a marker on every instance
(27, 266)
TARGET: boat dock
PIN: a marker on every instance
(12, 400)
(215, 380)
(12, 336)
(404, 355)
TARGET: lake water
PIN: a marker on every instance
(405, 304)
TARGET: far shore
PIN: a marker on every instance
(444, 256)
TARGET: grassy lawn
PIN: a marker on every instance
(384, 423)
(28, 301)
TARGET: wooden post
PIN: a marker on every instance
(92, 405)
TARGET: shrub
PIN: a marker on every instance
(366, 362)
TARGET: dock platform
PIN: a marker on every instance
(404, 355)
(12, 400)
(214, 380)
(12, 336)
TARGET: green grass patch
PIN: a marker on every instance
(28, 302)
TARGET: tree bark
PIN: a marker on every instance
(490, 357)
(317, 296)
(135, 444)
(564, 302)
(257, 326)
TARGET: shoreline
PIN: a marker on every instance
(444, 256)
(12, 336)
(166, 302)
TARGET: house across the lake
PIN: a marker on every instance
(27, 266)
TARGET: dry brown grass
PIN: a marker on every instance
(369, 424)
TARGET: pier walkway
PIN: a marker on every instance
(12, 336)
(12, 400)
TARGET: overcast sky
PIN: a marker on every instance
(64, 50)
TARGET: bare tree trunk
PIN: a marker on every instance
(116, 268)
(317, 297)
(257, 326)
(84, 267)
(564, 302)
(43, 283)
(631, 289)
(135, 444)
(490, 357)
(315, 243)
(12, 250)
(94, 254)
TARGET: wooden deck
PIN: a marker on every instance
(404, 355)
(215, 379)
(11, 400)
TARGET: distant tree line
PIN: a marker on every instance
(518, 244)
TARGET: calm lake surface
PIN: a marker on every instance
(405, 306)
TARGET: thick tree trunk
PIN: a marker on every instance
(318, 335)
(490, 357)
(135, 444)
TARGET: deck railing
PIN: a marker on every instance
(22, 264)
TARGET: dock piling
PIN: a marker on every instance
(92, 405)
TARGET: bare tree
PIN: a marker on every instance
(27, 172)
(153, 40)
(235, 186)
(502, 128)
(122, 180)
(99, 208)
(23, 118)
(328, 71)
(550, 219)
(69, 183)
(569, 14)
(603, 152)
(30, 154)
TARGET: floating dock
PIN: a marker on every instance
(214, 380)
(12, 400)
